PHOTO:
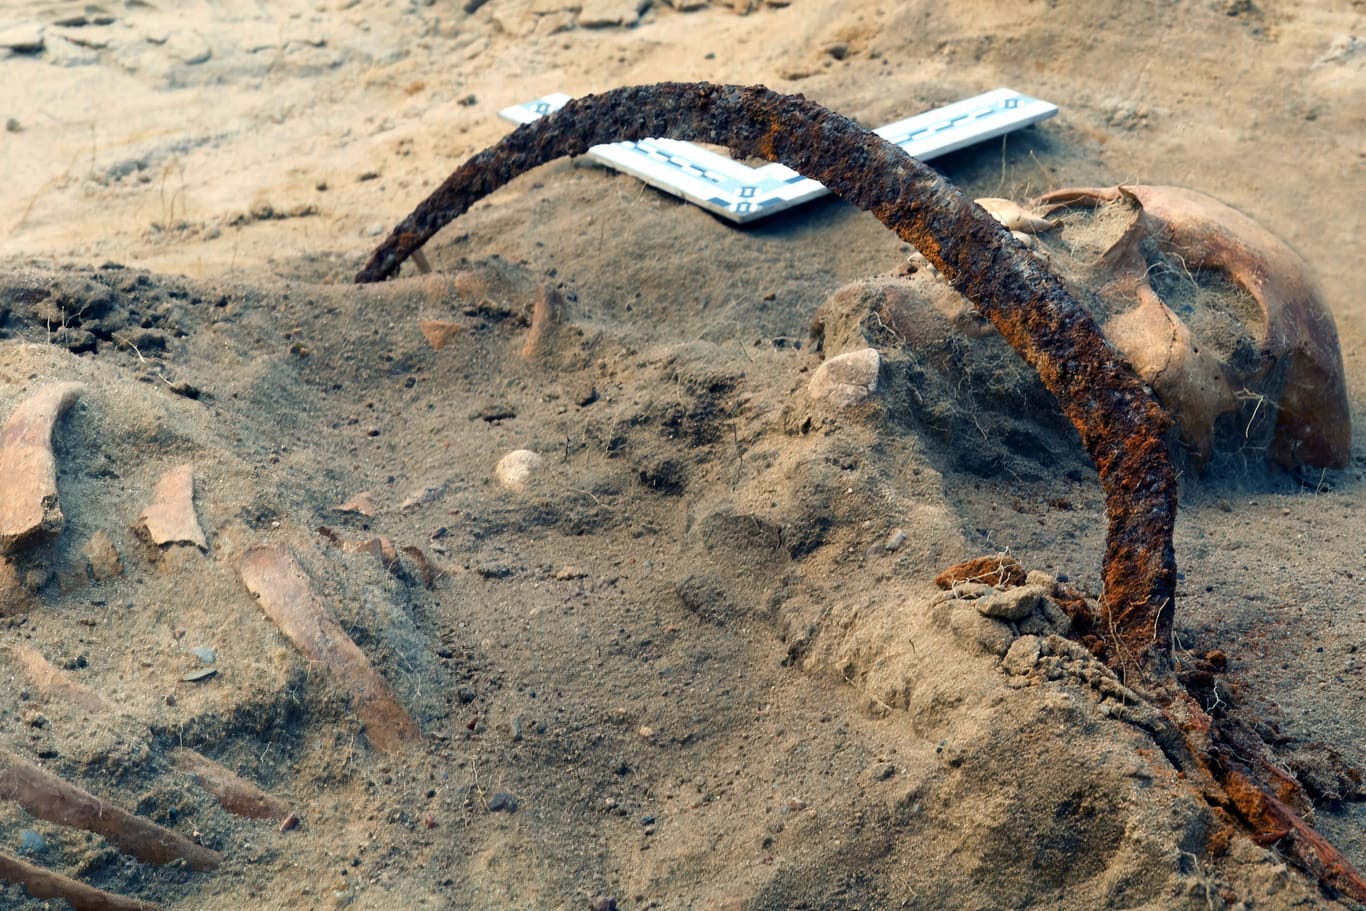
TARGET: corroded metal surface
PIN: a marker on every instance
(1122, 426)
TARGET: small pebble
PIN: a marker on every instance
(518, 468)
(881, 771)
(206, 655)
(894, 540)
(502, 802)
(30, 842)
(602, 903)
(846, 379)
(427, 494)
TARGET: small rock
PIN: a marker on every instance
(23, 37)
(962, 591)
(1012, 604)
(518, 468)
(1039, 577)
(30, 842)
(608, 13)
(894, 540)
(602, 903)
(204, 654)
(568, 573)
(428, 494)
(1023, 655)
(846, 379)
(188, 47)
(502, 802)
(878, 771)
(33, 718)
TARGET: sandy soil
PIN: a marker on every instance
(694, 662)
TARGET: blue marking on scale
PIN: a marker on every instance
(746, 193)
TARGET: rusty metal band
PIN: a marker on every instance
(1121, 425)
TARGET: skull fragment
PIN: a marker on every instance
(1215, 313)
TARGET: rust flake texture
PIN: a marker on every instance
(1122, 426)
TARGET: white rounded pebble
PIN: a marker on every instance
(516, 469)
(846, 379)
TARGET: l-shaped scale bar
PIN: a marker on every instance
(736, 191)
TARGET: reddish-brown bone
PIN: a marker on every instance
(28, 468)
(545, 316)
(170, 517)
(48, 797)
(233, 792)
(286, 595)
(42, 883)
(1121, 425)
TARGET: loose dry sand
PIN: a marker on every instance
(692, 659)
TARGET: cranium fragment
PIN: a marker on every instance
(1269, 371)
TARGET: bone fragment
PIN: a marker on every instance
(362, 503)
(439, 332)
(48, 797)
(28, 467)
(50, 681)
(233, 792)
(1015, 216)
(41, 884)
(545, 319)
(170, 518)
(286, 594)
